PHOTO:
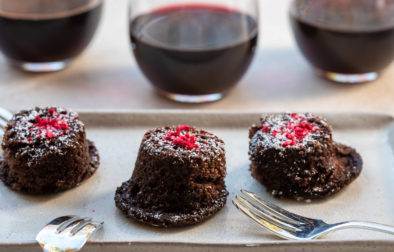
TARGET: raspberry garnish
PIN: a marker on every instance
(265, 129)
(49, 126)
(186, 140)
(294, 131)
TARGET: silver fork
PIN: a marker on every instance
(290, 225)
(67, 233)
(5, 117)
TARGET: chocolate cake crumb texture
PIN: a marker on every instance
(46, 151)
(289, 130)
(178, 178)
(43, 129)
(294, 156)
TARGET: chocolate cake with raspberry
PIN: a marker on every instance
(294, 156)
(178, 178)
(46, 151)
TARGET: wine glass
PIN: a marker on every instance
(348, 41)
(193, 51)
(46, 35)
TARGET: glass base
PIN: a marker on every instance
(192, 98)
(41, 67)
(347, 78)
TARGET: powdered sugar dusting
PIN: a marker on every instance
(209, 146)
(288, 130)
(42, 130)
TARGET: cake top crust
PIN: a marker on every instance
(41, 130)
(182, 141)
(290, 130)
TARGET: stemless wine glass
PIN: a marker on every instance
(193, 51)
(46, 35)
(345, 40)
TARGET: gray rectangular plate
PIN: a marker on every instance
(118, 135)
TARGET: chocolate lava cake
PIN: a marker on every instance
(294, 156)
(46, 151)
(178, 178)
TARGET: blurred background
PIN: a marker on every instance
(106, 76)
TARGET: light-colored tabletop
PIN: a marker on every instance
(106, 76)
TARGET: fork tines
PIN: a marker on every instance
(74, 220)
(3, 123)
(5, 117)
(77, 223)
(268, 215)
(5, 114)
(67, 233)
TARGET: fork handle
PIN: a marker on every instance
(364, 225)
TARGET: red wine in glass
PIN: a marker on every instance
(346, 41)
(344, 51)
(194, 49)
(30, 40)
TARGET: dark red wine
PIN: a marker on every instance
(344, 50)
(194, 49)
(27, 39)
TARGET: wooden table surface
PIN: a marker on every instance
(106, 77)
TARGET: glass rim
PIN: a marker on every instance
(49, 13)
(255, 12)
